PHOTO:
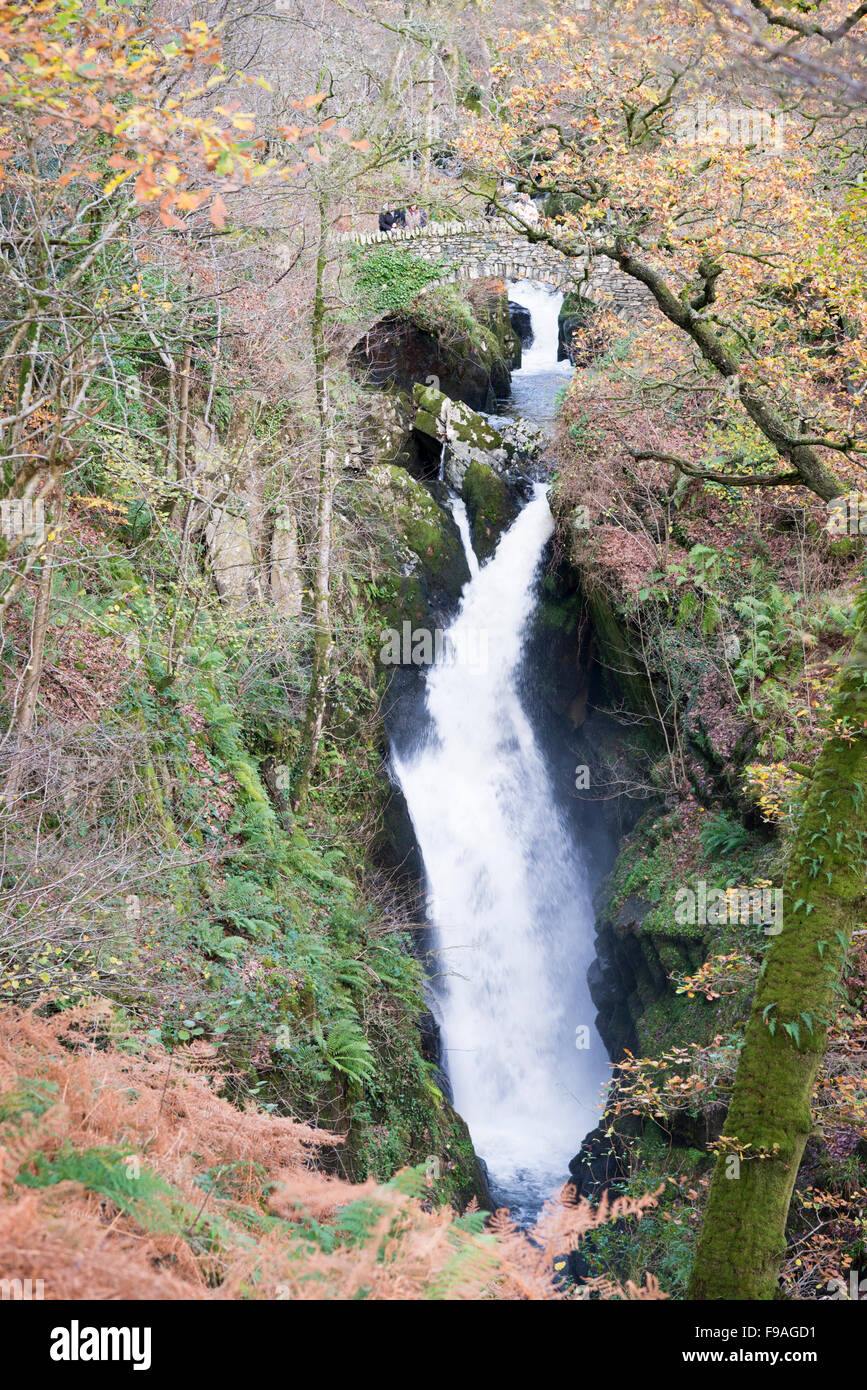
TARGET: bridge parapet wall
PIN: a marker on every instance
(490, 247)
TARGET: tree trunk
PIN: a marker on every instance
(181, 429)
(743, 1236)
(323, 641)
(428, 121)
(26, 710)
(812, 470)
(184, 414)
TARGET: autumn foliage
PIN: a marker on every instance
(70, 68)
(125, 1174)
(729, 202)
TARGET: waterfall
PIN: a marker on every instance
(508, 894)
(541, 377)
(544, 306)
(462, 521)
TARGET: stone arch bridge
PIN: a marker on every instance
(491, 247)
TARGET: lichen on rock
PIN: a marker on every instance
(469, 437)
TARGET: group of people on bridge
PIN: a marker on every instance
(520, 205)
(401, 219)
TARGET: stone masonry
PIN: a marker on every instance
(491, 247)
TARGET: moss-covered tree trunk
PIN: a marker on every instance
(323, 639)
(743, 1236)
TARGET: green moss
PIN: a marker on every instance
(426, 423)
(617, 652)
(490, 507)
(389, 277)
(422, 526)
(770, 1113)
(464, 426)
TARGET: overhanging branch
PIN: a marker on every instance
(711, 476)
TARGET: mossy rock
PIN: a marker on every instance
(469, 437)
(490, 507)
(427, 399)
(490, 301)
(617, 653)
(453, 420)
(437, 567)
(575, 306)
(426, 423)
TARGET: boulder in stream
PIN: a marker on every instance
(522, 322)
(501, 443)
(490, 507)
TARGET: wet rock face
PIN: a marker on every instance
(521, 321)
(398, 354)
(432, 561)
(490, 507)
(578, 316)
(490, 301)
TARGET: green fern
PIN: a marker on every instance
(719, 835)
(346, 1050)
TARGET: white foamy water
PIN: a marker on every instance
(508, 893)
(541, 377)
(462, 521)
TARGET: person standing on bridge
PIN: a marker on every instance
(386, 218)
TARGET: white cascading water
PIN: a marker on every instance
(508, 893)
(462, 521)
(536, 386)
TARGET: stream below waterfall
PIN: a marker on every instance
(508, 891)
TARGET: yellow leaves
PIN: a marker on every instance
(76, 70)
(187, 201)
(775, 787)
(114, 183)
